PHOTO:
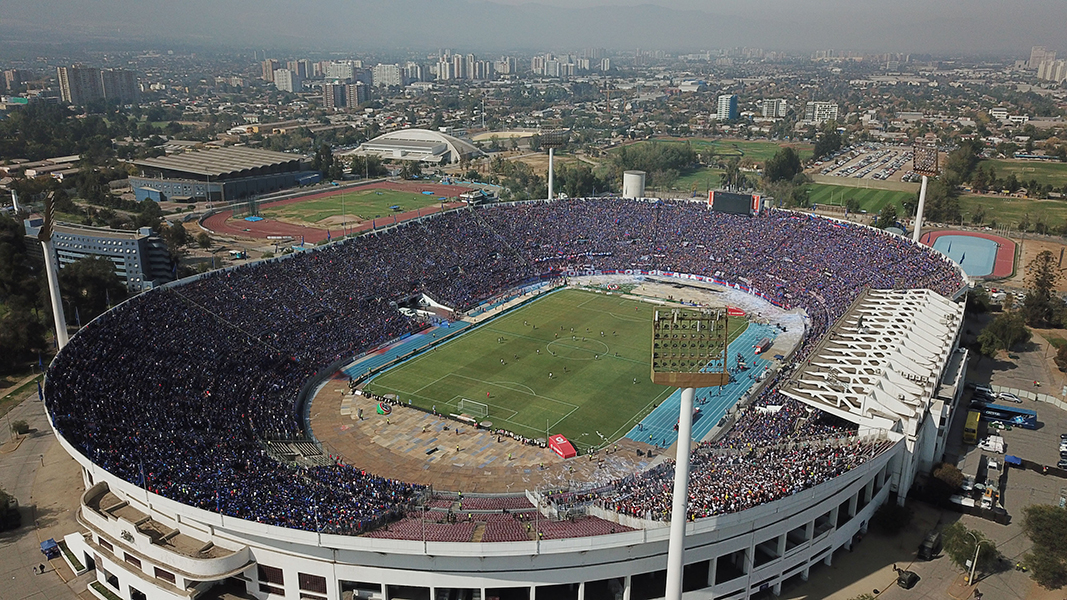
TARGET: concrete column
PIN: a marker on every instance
(51, 267)
(833, 516)
(712, 571)
(551, 176)
(853, 504)
(919, 212)
(829, 560)
(781, 545)
(804, 574)
(679, 509)
(868, 492)
(809, 530)
(777, 589)
(533, 593)
(626, 588)
(581, 590)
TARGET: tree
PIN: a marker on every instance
(783, 166)
(149, 215)
(1046, 526)
(203, 240)
(887, 217)
(1007, 330)
(1061, 358)
(852, 205)
(978, 216)
(411, 170)
(828, 142)
(959, 544)
(89, 284)
(20, 334)
(978, 301)
(323, 160)
(1040, 305)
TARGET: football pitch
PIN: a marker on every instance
(566, 362)
(357, 205)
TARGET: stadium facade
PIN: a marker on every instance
(219, 174)
(144, 545)
(421, 145)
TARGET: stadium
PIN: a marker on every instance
(192, 410)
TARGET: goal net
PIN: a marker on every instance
(474, 409)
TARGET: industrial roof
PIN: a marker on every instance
(880, 365)
(219, 161)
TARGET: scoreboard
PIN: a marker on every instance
(735, 203)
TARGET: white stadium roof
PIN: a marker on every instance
(418, 144)
(882, 363)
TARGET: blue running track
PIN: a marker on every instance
(405, 346)
(658, 427)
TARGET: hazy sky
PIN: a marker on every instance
(939, 26)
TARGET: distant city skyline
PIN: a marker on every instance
(952, 27)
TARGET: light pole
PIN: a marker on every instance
(974, 563)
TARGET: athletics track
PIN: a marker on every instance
(1004, 261)
(223, 223)
(657, 428)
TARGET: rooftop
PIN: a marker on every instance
(882, 361)
(217, 162)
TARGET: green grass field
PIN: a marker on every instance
(1054, 173)
(358, 204)
(870, 200)
(758, 151)
(1005, 211)
(592, 385)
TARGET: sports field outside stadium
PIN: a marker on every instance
(356, 205)
(567, 361)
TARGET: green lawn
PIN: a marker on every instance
(356, 204)
(700, 180)
(1054, 173)
(870, 200)
(1005, 210)
(592, 385)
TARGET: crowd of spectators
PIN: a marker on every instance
(176, 389)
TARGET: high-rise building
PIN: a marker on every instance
(16, 77)
(288, 81)
(341, 71)
(774, 108)
(605, 64)
(386, 75)
(78, 85)
(413, 71)
(820, 112)
(300, 67)
(727, 107)
(459, 67)
(444, 70)
(119, 85)
(1038, 55)
(1052, 70)
(269, 66)
(356, 94)
(506, 65)
(333, 96)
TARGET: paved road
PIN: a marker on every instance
(47, 484)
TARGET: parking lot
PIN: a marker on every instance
(870, 161)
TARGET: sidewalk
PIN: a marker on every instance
(48, 485)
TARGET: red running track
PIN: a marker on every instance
(223, 222)
(1003, 264)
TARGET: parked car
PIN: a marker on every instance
(1010, 397)
(1062, 463)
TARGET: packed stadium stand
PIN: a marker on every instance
(168, 399)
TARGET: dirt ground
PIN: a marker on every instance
(1031, 247)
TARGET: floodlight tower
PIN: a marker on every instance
(14, 201)
(51, 267)
(688, 351)
(553, 139)
(924, 162)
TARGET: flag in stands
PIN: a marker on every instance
(328, 236)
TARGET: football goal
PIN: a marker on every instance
(475, 409)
